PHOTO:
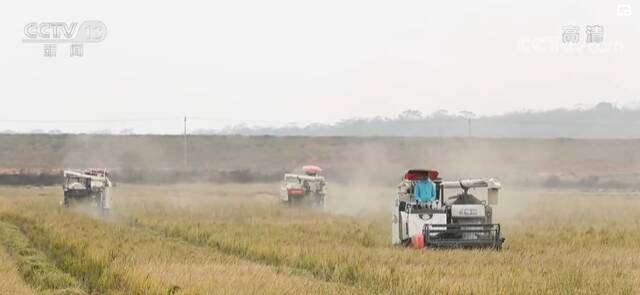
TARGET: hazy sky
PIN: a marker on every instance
(300, 61)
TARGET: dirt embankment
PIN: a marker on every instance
(161, 159)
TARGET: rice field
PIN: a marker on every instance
(237, 239)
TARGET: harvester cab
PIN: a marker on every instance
(89, 187)
(458, 221)
(305, 187)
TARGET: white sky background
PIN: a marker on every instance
(266, 62)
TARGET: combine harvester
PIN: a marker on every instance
(90, 187)
(304, 189)
(422, 217)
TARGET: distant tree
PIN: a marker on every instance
(127, 131)
(102, 132)
(379, 119)
(605, 106)
(410, 115)
(467, 114)
(604, 120)
(439, 114)
(242, 128)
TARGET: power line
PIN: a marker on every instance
(128, 120)
(223, 119)
(82, 121)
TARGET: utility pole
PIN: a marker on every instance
(468, 115)
(184, 148)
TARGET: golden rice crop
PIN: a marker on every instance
(208, 239)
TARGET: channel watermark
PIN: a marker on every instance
(551, 46)
(573, 40)
(593, 33)
(51, 34)
(624, 10)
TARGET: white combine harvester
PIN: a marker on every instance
(90, 187)
(459, 221)
(306, 188)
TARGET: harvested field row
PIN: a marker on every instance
(35, 267)
(114, 258)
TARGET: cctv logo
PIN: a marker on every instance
(91, 31)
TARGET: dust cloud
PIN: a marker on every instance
(363, 173)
